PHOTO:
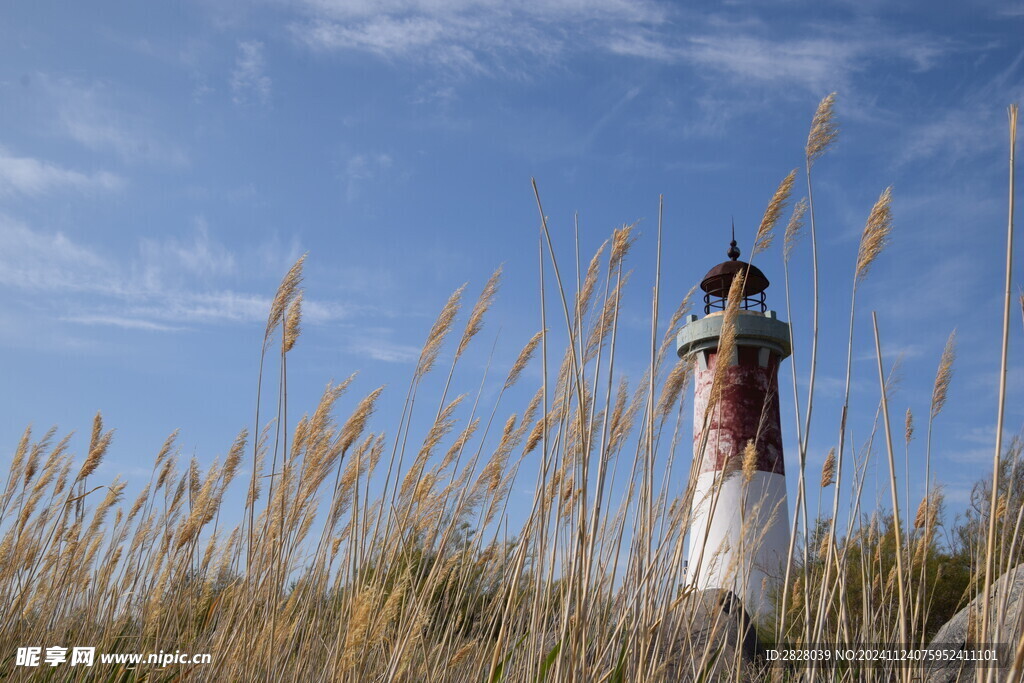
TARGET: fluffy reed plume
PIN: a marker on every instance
(824, 130)
(98, 444)
(944, 375)
(193, 479)
(928, 510)
(772, 214)
(876, 234)
(908, 424)
(438, 332)
(794, 229)
(586, 293)
(798, 594)
(604, 324)
(292, 323)
(828, 470)
(356, 422)
(32, 463)
(523, 360)
(462, 653)
(286, 292)
(749, 461)
(480, 308)
(444, 424)
(826, 540)
(727, 339)
(672, 390)
(622, 241)
(922, 514)
(234, 459)
(672, 329)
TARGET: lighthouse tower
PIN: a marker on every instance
(739, 533)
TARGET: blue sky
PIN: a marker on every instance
(162, 166)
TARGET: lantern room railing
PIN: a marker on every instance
(755, 302)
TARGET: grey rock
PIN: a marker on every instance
(711, 635)
(961, 630)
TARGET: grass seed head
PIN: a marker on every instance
(824, 130)
(749, 461)
(523, 360)
(794, 229)
(828, 471)
(480, 308)
(292, 323)
(438, 332)
(772, 214)
(876, 234)
(283, 298)
(944, 375)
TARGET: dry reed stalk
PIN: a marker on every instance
(892, 487)
(792, 235)
(990, 541)
(824, 131)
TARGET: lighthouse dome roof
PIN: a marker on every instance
(719, 279)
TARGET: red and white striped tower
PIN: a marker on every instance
(739, 533)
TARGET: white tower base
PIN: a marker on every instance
(750, 529)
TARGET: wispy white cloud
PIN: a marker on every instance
(249, 81)
(954, 135)
(44, 261)
(195, 256)
(164, 287)
(377, 348)
(549, 10)
(102, 118)
(484, 36)
(122, 322)
(815, 63)
(891, 352)
(646, 44)
(829, 59)
(465, 36)
(33, 177)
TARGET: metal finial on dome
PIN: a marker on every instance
(734, 252)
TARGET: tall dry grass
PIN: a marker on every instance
(365, 554)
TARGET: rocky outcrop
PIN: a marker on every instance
(711, 636)
(962, 630)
